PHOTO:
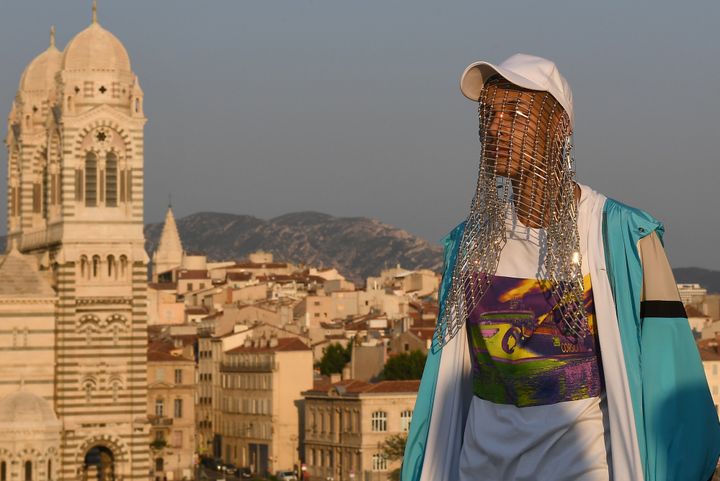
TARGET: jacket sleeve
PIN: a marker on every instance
(419, 434)
(681, 423)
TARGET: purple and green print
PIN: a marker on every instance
(519, 354)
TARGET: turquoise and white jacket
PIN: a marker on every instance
(663, 424)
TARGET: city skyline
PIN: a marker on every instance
(115, 365)
(355, 111)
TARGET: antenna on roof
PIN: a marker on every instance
(170, 201)
(52, 36)
(94, 11)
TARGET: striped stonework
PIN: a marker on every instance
(75, 215)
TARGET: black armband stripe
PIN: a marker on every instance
(662, 309)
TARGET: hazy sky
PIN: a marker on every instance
(353, 108)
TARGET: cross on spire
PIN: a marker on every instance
(94, 11)
(52, 36)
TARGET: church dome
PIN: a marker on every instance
(39, 75)
(96, 49)
(27, 408)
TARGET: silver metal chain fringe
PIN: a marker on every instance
(539, 188)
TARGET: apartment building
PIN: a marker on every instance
(171, 410)
(346, 423)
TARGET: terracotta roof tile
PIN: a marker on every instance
(186, 339)
(283, 344)
(709, 349)
(196, 310)
(424, 323)
(394, 386)
(162, 351)
(692, 311)
(193, 274)
(354, 386)
(163, 286)
(239, 276)
(257, 265)
(322, 384)
(423, 333)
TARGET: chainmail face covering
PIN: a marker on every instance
(526, 175)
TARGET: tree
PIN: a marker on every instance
(407, 365)
(394, 449)
(334, 359)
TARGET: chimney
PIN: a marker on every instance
(335, 377)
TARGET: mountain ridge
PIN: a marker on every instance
(357, 246)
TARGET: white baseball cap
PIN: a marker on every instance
(526, 71)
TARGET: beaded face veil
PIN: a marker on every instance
(526, 178)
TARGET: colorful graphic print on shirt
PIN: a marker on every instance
(519, 354)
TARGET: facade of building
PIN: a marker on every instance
(710, 355)
(261, 385)
(171, 410)
(249, 396)
(75, 218)
(346, 424)
(692, 294)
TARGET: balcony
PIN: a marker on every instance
(160, 421)
(258, 367)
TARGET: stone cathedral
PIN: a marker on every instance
(73, 279)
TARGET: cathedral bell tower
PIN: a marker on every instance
(75, 192)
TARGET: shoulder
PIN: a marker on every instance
(614, 207)
(637, 222)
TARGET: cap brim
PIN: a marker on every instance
(474, 77)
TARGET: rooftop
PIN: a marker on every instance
(20, 277)
(258, 265)
(355, 387)
(709, 349)
(193, 274)
(163, 286)
(692, 311)
(279, 344)
(163, 351)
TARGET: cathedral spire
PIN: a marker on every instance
(94, 11)
(169, 252)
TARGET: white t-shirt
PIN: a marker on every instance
(538, 411)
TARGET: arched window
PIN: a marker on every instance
(159, 464)
(3, 471)
(115, 390)
(111, 267)
(123, 266)
(91, 179)
(49, 470)
(88, 387)
(28, 470)
(379, 421)
(111, 178)
(95, 266)
(84, 267)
